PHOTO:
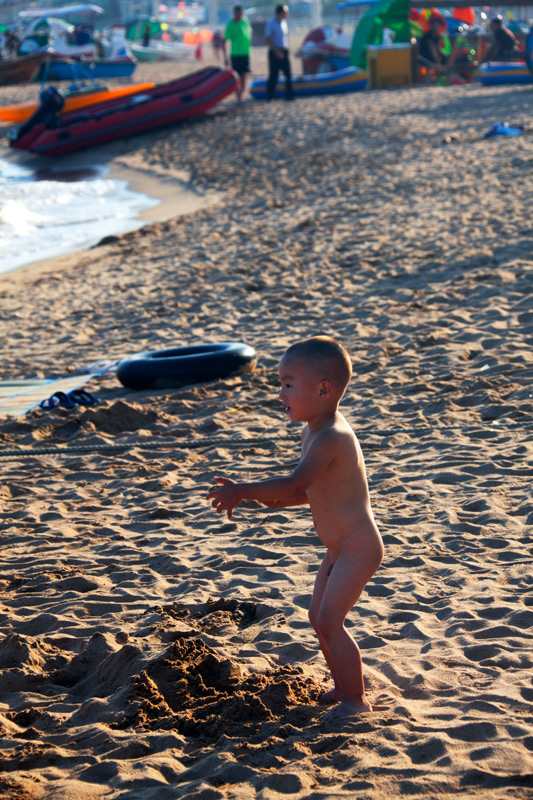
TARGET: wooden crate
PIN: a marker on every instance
(389, 66)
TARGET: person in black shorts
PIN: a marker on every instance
(241, 65)
(239, 33)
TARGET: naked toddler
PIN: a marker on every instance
(331, 478)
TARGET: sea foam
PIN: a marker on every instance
(46, 213)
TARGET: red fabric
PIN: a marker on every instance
(465, 15)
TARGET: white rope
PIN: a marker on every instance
(195, 444)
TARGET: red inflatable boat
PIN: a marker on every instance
(48, 133)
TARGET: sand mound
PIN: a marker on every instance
(117, 418)
(210, 696)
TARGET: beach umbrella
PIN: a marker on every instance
(135, 27)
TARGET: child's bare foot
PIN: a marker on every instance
(347, 709)
(333, 696)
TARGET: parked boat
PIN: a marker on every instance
(84, 96)
(350, 79)
(163, 51)
(21, 69)
(59, 46)
(325, 49)
(498, 73)
(67, 69)
(144, 53)
(63, 49)
(49, 133)
(177, 51)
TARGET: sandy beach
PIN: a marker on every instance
(151, 650)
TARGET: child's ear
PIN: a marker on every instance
(326, 390)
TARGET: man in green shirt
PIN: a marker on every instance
(239, 33)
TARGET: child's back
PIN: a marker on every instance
(339, 498)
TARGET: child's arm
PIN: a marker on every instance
(279, 492)
(231, 493)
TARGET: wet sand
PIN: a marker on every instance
(152, 650)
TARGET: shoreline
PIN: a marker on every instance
(173, 191)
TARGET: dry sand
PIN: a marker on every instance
(152, 650)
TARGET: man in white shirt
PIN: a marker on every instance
(277, 39)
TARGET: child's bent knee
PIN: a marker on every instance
(328, 627)
(313, 618)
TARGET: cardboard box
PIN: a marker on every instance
(389, 66)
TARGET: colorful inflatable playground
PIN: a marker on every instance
(463, 44)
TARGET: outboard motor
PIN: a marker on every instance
(52, 102)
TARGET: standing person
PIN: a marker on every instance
(239, 33)
(218, 45)
(146, 35)
(331, 478)
(277, 39)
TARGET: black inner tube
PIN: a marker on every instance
(179, 366)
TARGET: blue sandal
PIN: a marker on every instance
(82, 397)
(70, 400)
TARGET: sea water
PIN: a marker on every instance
(47, 212)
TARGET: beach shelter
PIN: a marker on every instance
(135, 27)
(393, 14)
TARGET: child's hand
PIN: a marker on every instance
(226, 496)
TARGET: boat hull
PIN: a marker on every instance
(22, 69)
(176, 52)
(148, 54)
(162, 51)
(501, 73)
(20, 112)
(163, 105)
(345, 80)
(68, 70)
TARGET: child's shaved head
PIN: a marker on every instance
(326, 356)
